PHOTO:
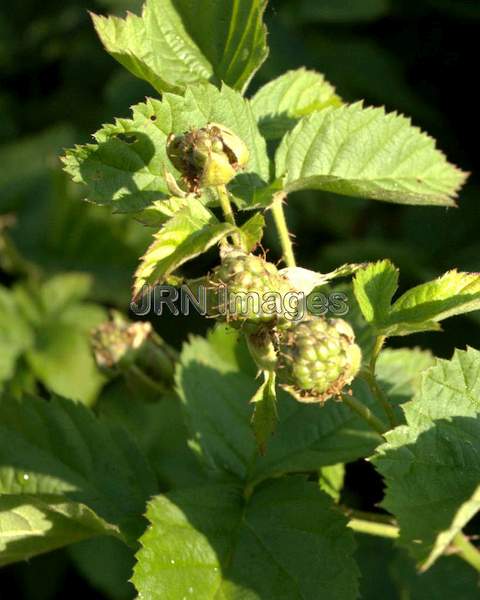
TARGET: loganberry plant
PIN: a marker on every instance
(283, 392)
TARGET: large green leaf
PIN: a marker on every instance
(175, 43)
(432, 464)
(189, 233)
(286, 542)
(418, 309)
(368, 153)
(216, 383)
(58, 453)
(125, 167)
(279, 104)
(31, 525)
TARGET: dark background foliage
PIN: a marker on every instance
(58, 85)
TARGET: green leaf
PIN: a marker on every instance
(31, 526)
(125, 167)
(366, 152)
(452, 294)
(58, 453)
(107, 564)
(419, 309)
(287, 542)
(252, 231)
(399, 371)
(159, 430)
(431, 465)
(331, 480)
(279, 104)
(191, 232)
(173, 44)
(374, 288)
(265, 416)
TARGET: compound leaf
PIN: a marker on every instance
(420, 308)
(368, 153)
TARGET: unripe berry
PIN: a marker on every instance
(248, 289)
(318, 357)
(207, 157)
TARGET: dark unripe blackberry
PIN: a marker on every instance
(318, 357)
(249, 289)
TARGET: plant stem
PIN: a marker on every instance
(379, 341)
(380, 396)
(374, 528)
(365, 413)
(467, 551)
(227, 210)
(282, 230)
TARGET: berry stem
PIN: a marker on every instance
(282, 230)
(466, 550)
(380, 397)
(227, 210)
(366, 414)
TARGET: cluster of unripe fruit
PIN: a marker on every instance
(314, 357)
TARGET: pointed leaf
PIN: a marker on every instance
(30, 526)
(454, 293)
(192, 231)
(174, 44)
(279, 104)
(287, 542)
(252, 231)
(265, 416)
(374, 287)
(368, 153)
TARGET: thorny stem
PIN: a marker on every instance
(466, 550)
(227, 210)
(366, 414)
(282, 229)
